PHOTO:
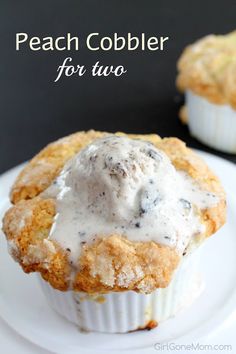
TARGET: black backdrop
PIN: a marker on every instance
(35, 110)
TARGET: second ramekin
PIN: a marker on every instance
(212, 124)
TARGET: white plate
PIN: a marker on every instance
(23, 306)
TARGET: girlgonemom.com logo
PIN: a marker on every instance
(171, 346)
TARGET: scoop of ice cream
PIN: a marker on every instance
(119, 179)
(118, 185)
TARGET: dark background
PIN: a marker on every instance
(35, 110)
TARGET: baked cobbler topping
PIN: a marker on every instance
(207, 68)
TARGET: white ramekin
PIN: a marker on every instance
(128, 311)
(212, 124)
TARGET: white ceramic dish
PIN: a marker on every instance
(128, 311)
(24, 308)
(212, 124)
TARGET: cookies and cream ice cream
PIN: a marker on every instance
(128, 187)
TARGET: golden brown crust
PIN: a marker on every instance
(27, 227)
(118, 264)
(208, 68)
(110, 263)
